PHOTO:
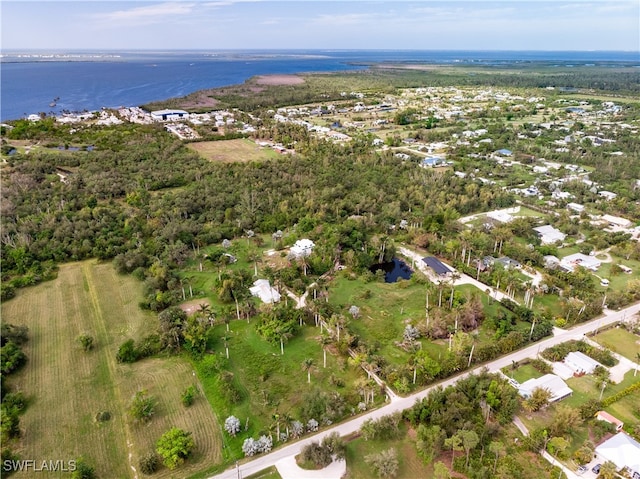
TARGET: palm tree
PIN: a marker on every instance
(325, 340)
(608, 470)
(284, 336)
(498, 449)
(307, 365)
(226, 339)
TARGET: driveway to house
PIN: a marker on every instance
(463, 278)
(348, 427)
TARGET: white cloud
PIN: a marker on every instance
(346, 19)
(147, 14)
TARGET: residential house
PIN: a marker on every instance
(263, 290)
(302, 248)
(617, 221)
(605, 416)
(507, 262)
(552, 383)
(549, 235)
(580, 363)
(575, 207)
(437, 266)
(432, 162)
(623, 451)
(578, 259)
(607, 195)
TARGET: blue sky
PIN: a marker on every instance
(356, 24)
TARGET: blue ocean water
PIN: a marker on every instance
(89, 80)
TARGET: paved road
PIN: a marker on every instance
(400, 404)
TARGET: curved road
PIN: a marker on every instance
(400, 404)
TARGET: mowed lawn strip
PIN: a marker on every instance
(620, 341)
(68, 387)
(228, 151)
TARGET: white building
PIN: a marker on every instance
(554, 384)
(617, 221)
(578, 259)
(580, 363)
(164, 115)
(302, 248)
(262, 289)
(549, 235)
(578, 208)
(607, 195)
(623, 451)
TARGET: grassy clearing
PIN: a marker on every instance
(410, 464)
(271, 383)
(522, 373)
(67, 387)
(230, 151)
(620, 341)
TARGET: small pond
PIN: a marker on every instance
(393, 270)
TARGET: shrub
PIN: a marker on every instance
(142, 406)
(232, 425)
(174, 447)
(127, 352)
(12, 358)
(149, 463)
(541, 366)
(86, 342)
(315, 454)
(616, 397)
(385, 463)
(83, 470)
(103, 416)
(188, 396)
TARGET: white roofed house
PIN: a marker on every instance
(549, 235)
(580, 363)
(617, 221)
(578, 208)
(607, 195)
(623, 451)
(578, 259)
(263, 290)
(552, 383)
(302, 248)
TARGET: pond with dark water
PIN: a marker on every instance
(393, 270)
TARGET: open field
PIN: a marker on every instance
(228, 151)
(621, 341)
(68, 387)
(410, 464)
(522, 373)
(271, 383)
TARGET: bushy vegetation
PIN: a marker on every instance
(558, 353)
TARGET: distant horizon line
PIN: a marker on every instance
(42, 49)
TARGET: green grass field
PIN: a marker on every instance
(522, 373)
(227, 151)
(67, 387)
(410, 464)
(620, 341)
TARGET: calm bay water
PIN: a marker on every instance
(92, 80)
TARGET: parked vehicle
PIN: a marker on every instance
(596, 469)
(581, 469)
